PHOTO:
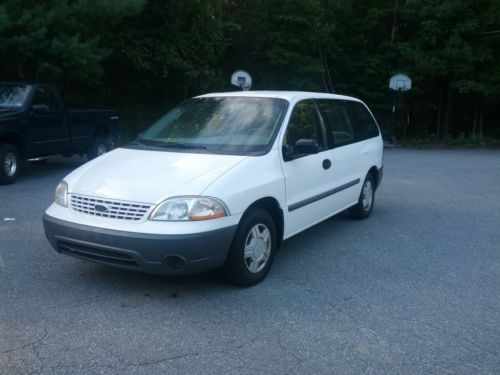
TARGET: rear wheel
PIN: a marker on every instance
(363, 208)
(253, 249)
(99, 147)
(9, 163)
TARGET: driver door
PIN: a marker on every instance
(308, 177)
(48, 130)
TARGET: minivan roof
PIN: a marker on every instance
(287, 95)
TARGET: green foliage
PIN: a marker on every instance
(171, 43)
(58, 39)
(143, 56)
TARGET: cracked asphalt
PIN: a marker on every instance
(415, 289)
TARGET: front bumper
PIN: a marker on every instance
(150, 253)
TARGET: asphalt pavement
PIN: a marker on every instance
(415, 289)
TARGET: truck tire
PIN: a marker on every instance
(9, 164)
(99, 147)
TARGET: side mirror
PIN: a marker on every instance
(40, 109)
(302, 147)
(305, 147)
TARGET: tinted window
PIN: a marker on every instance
(303, 124)
(337, 120)
(46, 96)
(364, 123)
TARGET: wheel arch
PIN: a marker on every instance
(373, 171)
(17, 141)
(272, 206)
(101, 131)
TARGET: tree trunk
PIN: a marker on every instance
(448, 123)
(394, 20)
(440, 111)
(475, 121)
(481, 120)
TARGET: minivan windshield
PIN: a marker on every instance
(13, 96)
(228, 125)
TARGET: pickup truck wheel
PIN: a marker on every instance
(9, 163)
(252, 251)
(99, 147)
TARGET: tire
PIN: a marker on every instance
(364, 207)
(9, 164)
(99, 147)
(253, 249)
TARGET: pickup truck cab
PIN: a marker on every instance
(220, 181)
(35, 124)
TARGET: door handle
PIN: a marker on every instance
(327, 164)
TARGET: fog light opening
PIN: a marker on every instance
(175, 263)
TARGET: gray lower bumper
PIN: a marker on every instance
(158, 254)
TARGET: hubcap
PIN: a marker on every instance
(367, 198)
(257, 248)
(10, 164)
(101, 149)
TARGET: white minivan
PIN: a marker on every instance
(219, 182)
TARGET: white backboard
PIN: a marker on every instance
(400, 82)
(241, 79)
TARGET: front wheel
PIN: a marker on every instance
(253, 248)
(364, 207)
(98, 147)
(9, 164)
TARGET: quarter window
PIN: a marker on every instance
(364, 123)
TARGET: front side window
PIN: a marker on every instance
(46, 96)
(13, 96)
(234, 125)
(303, 125)
(364, 123)
(337, 119)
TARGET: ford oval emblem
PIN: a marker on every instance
(100, 208)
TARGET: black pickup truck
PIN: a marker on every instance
(35, 124)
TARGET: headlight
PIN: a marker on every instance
(189, 208)
(61, 194)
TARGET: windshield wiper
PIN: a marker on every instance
(185, 146)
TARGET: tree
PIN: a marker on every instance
(58, 39)
(170, 44)
(445, 53)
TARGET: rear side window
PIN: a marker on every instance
(336, 117)
(364, 124)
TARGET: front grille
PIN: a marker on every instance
(109, 209)
(96, 254)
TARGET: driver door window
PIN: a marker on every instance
(303, 125)
(45, 96)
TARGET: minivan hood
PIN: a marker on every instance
(148, 176)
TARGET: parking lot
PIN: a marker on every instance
(415, 289)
